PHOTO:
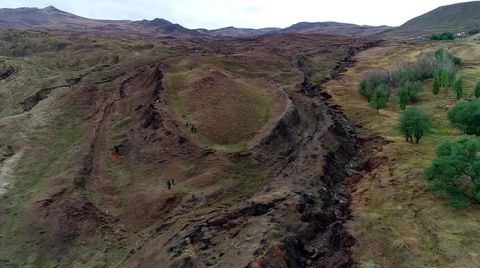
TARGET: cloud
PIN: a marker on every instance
(246, 13)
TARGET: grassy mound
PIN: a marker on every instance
(227, 111)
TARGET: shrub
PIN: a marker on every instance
(414, 123)
(371, 81)
(446, 58)
(466, 116)
(455, 172)
(380, 97)
(426, 66)
(477, 90)
(412, 89)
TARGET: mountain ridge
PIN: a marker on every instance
(52, 18)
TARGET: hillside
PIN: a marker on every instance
(147, 144)
(239, 32)
(454, 18)
(334, 28)
(94, 127)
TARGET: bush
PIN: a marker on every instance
(409, 93)
(403, 99)
(477, 90)
(444, 79)
(380, 97)
(466, 117)
(443, 36)
(455, 172)
(414, 123)
(446, 59)
(426, 66)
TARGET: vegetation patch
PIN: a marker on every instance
(455, 172)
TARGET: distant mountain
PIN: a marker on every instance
(454, 18)
(51, 18)
(240, 32)
(334, 28)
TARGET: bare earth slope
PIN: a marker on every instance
(96, 126)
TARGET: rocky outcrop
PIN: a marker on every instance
(6, 72)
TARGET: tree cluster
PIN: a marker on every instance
(440, 65)
(447, 36)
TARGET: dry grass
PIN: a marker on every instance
(397, 221)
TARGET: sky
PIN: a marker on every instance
(212, 14)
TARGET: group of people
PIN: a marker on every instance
(170, 184)
(193, 129)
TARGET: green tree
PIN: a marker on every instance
(477, 90)
(466, 116)
(445, 81)
(455, 172)
(364, 90)
(403, 99)
(414, 123)
(458, 86)
(380, 97)
(436, 85)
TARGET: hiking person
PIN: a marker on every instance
(173, 182)
(169, 185)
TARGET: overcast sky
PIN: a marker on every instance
(212, 14)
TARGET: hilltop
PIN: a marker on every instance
(452, 18)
